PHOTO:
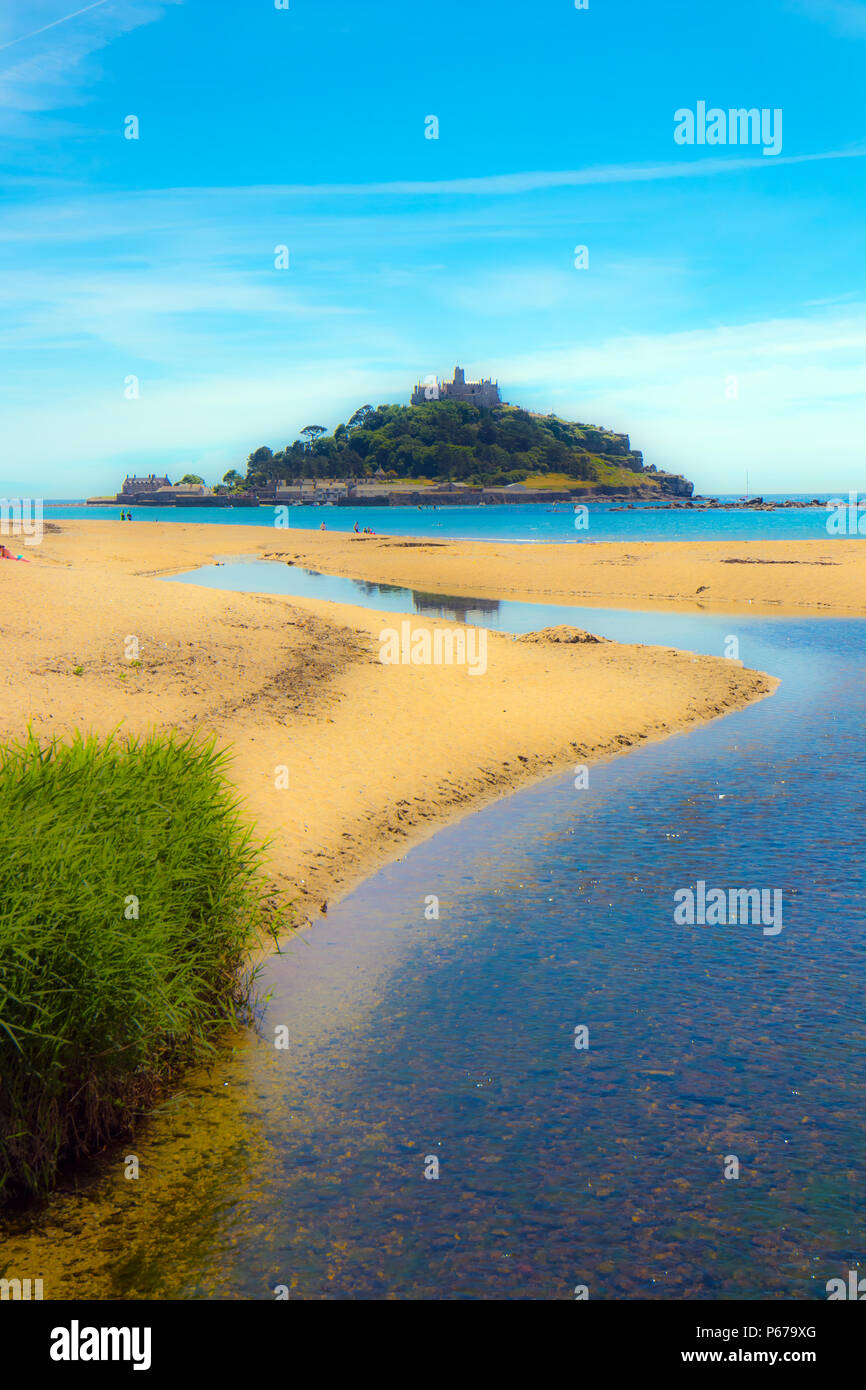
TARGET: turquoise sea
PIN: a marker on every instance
(513, 522)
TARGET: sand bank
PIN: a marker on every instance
(375, 756)
(791, 577)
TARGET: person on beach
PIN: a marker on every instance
(355, 528)
(7, 555)
(323, 527)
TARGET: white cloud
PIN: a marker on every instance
(45, 50)
(154, 317)
(532, 181)
(84, 442)
(798, 422)
(148, 206)
(53, 24)
(527, 289)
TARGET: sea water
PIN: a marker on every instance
(309, 1168)
(512, 522)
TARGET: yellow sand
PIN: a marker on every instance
(821, 576)
(826, 576)
(376, 756)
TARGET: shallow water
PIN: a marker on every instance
(454, 1038)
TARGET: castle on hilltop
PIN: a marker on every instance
(483, 393)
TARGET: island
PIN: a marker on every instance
(457, 443)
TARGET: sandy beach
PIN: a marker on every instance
(788, 577)
(778, 577)
(343, 762)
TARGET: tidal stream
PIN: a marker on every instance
(412, 1039)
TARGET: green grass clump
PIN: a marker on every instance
(128, 903)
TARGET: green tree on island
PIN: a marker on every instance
(439, 440)
(312, 433)
(356, 421)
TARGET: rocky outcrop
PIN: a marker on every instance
(675, 485)
(562, 633)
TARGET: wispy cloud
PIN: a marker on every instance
(492, 185)
(535, 289)
(159, 319)
(781, 397)
(797, 411)
(161, 212)
(64, 19)
(532, 181)
(49, 64)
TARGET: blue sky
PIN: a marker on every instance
(721, 320)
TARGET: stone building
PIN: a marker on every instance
(154, 489)
(483, 393)
(133, 486)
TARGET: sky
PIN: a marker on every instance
(146, 325)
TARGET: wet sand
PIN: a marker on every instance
(342, 762)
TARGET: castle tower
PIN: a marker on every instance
(484, 393)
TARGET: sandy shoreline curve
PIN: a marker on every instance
(787, 577)
(342, 762)
(778, 577)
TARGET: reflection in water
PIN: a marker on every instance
(455, 1038)
(451, 607)
(365, 586)
(456, 610)
(264, 577)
